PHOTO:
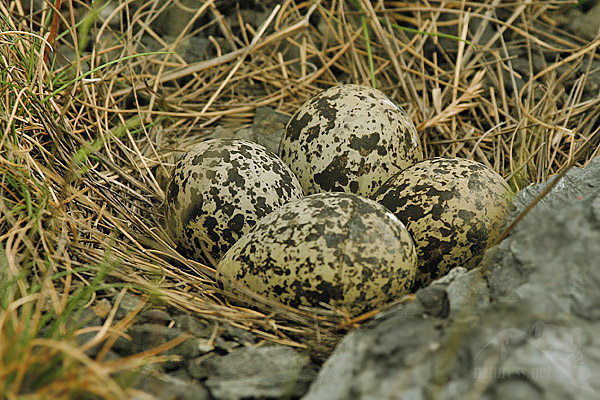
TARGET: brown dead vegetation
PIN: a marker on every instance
(86, 143)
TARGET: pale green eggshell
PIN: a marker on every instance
(349, 138)
(336, 248)
(219, 190)
(453, 209)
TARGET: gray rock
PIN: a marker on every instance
(576, 184)
(381, 361)
(247, 134)
(84, 319)
(128, 303)
(222, 133)
(435, 301)
(155, 316)
(210, 336)
(198, 328)
(257, 372)
(146, 336)
(525, 324)
(239, 335)
(267, 128)
(170, 387)
(584, 25)
(468, 292)
(200, 367)
(465, 291)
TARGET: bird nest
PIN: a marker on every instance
(97, 104)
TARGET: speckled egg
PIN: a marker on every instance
(337, 248)
(452, 207)
(349, 138)
(219, 190)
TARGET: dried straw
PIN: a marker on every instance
(95, 156)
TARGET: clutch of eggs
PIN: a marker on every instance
(453, 209)
(334, 248)
(219, 190)
(349, 138)
(234, 203)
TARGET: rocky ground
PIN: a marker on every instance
(525, 323)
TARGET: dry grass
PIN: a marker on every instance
(86, 142)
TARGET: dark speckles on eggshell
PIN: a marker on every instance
(219, 190)
(337, 248)
(453, 209)
(349, 138)
(364, 144)
(332, 178)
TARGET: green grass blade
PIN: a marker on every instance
(437, 34)
(87, 21)
(98, 68)
(369, 53)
